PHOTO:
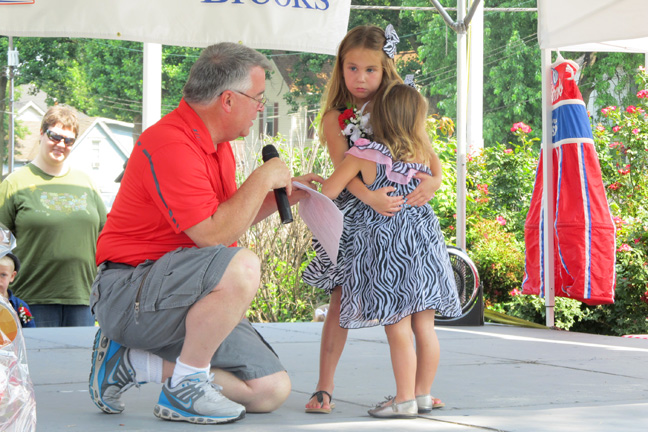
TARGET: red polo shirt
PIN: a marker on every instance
(175, 178)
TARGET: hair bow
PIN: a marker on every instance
(409, 80)
(392, 40)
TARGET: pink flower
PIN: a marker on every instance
(600, 128)
(607, 110)
(631, 109)
(615, 144)
(451, 227)
(642, 94)
(642, 68)
(618, 220)
(616, 128)
(624, 248)
(507, 151)
(501, 220)
(483, 188)
(637, 241)
(624, 171)
(521, 126)
(614, 186)
(635, 131)
(515, 292)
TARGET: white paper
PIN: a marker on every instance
(323, 218)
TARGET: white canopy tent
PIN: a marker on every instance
(581, 26)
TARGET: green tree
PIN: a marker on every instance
(98, 77)
(512, 85)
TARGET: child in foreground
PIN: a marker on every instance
(400, 272)
(9, 266)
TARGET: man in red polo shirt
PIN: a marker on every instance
(170, 295)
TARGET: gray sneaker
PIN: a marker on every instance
(391, 409)
(196, 400)
(111, 374)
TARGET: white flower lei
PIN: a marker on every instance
(358, 126)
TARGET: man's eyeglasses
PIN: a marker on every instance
(261, 101)
(58, 138)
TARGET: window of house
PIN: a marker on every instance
(95, 158)
(269, 121)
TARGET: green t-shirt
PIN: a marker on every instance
(56, 221)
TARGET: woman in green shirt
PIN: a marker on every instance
(56, 214)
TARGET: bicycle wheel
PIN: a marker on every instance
(466, 278)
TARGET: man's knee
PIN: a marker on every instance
(270, 392)
(243, 273)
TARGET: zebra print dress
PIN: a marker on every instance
(321, 272)
(397, 265)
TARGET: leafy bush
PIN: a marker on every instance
(567, 312)
(499, 257)
(284, 250)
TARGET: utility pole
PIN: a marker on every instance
(12, 63)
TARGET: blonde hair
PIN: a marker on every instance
(61, 114)
(367, 37)
(7, 261)
(398, 122)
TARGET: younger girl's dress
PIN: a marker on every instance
(397, 265)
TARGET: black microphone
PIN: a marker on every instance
(268, 152)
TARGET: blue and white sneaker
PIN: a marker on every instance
(111, 374)
(196, 400)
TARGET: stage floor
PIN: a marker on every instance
(493, 378)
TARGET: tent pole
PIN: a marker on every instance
(475, 127)
(462, 102)
(152, 84)
(547, 187)
(12, 63)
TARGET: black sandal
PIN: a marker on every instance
(320, 399)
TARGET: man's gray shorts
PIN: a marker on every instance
(165, 290)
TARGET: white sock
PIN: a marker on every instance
(148, 367)
(182, 370)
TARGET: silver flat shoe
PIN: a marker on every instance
(407, 409)
(426, 404)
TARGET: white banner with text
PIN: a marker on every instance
(315, 26)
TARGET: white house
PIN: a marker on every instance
(296, 128)
(100, 151)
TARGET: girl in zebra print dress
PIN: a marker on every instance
(364, 64)
(399, 269)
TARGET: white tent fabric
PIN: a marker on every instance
(580, 25)
(315, 26)
(593, 25)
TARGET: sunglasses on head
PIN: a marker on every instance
(58, 138)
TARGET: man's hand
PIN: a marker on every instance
(276, 173)
(309, 180)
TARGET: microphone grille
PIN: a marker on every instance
(268, 152)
